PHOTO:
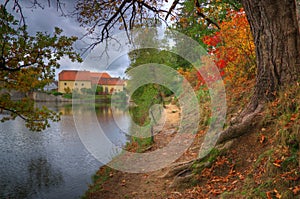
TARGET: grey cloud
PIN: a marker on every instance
(44, 20)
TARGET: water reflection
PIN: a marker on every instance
(53, 163)
(98, 130)
(39, 176)
(65, 110)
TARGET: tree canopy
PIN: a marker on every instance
(273, 24)
(27, 64)
(196, 19)
(244, 38)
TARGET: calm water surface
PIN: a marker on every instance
(53, 163)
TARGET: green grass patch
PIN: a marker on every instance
(198, 166)
(98, 180)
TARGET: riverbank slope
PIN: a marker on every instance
(263, 163)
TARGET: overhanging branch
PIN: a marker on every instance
(198, 11)
(174, 4)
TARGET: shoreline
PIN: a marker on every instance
(111, 183)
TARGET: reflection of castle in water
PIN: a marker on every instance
(104, 110)
(66, 110)
(109, 111)
(103, 129)
(113, 120)
(101, 110)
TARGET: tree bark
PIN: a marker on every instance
(274, 25)
(275, 29)
(298, 12)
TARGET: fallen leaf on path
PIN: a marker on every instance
(269, 195)
(262, 139)
(277, 194)
(277, 162)
(296, 189)
(123, 183)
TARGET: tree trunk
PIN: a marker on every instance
(298, 12)
(275, 29)
(276, 34)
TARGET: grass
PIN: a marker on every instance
(269, 171)
(277, 168)
(208, 160)
(98, 180)
(138, 144)
(273, 169)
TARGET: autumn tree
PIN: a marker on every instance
(273, 24)
(274, 27)
(232, 48)
(199, 18)
(276, 36)
(27, 64)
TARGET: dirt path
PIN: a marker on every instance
(226, 175)
(243, 171)
(146, 185)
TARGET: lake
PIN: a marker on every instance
(54, 163)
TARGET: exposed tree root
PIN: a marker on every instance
(183, 172)
(178, 168)
(245, 123)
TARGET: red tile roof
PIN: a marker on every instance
(104, 75)
(94, 77)
(111, 81)
(74, 75)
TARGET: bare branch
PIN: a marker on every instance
(18, 7)
(107, 16)
(110, 20)
(152, 8)
(125, 26)
(174, 4)
(132, 18)
(198, 8)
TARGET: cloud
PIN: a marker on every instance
(46, 19)
(115, 69)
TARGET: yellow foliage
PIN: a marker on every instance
(233, 48)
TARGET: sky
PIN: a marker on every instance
(44, 20)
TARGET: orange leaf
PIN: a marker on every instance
(234, 182)
(276, 164)
(262, 139)
(123, 183)
(277, 194)
(278, 161)
(293, 117)
(296, 189)
(269, 195)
